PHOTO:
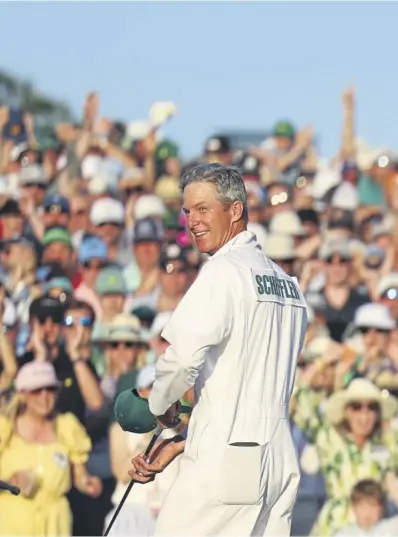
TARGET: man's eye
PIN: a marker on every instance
(201, 209)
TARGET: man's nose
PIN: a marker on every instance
(193, 220)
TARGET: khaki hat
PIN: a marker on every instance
(123, 334)
(316, 348)
(168, 189)
(125, 327)
(360, 390)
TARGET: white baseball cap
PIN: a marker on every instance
(149, 206)
(107, 210)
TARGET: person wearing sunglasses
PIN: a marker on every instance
(372, 327)
(342, 300)
(351, 444)
(42, 452)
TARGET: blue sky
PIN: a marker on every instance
(226, 65)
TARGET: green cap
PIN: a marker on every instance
(133, 414)
(59, 234)
(110, 281)
(166, 149)
(284, 129)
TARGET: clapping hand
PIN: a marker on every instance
(75, 343)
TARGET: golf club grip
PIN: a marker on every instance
(130, 485)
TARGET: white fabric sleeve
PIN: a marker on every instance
(202, 320)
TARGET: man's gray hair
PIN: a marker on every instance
(227, 180)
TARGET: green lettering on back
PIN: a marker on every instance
(260, 288)
(286, 289)
(267, 285)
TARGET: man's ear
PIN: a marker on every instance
(236, 211)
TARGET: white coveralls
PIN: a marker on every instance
(236, 336)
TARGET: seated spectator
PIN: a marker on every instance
(32, 427)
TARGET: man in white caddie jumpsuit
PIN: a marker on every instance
(235, 336)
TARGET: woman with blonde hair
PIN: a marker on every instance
(350, 443)
(39, 450)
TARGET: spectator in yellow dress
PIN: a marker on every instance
(38, 450)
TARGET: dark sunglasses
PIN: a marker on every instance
(127, 344)
(337, 259)
(357, 406)
(83, 321)
(56, 318)
(367, 329)
(50, 389)
(38, 185)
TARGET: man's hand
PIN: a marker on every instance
(170, 419)
(163, 454)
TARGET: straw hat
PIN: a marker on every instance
(359, 390)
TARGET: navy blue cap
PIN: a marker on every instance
(147, 230)
(54, 203)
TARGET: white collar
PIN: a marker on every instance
(241, 239)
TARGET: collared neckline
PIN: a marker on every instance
(241, 239)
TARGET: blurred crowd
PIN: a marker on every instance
(95, 256)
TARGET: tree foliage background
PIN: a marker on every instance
(16, 92)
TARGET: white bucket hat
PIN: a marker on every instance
(374, 316)
(360, 390)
